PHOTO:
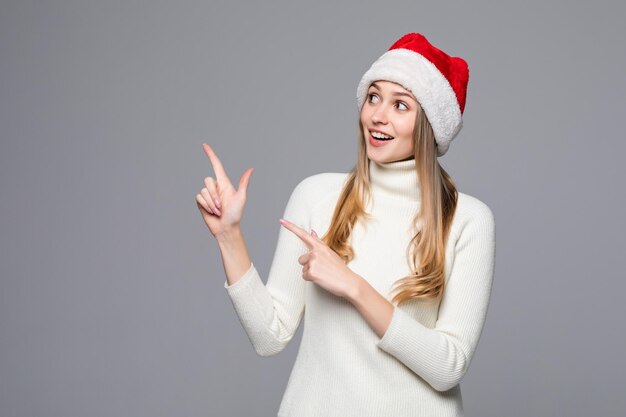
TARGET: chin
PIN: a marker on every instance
(379, 159)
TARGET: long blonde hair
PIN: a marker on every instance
(438, 200)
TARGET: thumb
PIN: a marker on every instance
(244, 181)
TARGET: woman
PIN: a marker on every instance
(395, 223)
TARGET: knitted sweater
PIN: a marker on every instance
(343, 368)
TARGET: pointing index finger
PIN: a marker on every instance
(220, 173)
(301, 233)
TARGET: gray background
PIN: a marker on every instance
(112, 300)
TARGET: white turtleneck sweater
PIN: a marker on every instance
(343, 368)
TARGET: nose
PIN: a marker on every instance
(380, 115)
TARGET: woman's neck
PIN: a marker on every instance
(394, 180)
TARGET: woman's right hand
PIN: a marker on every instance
(219, 203)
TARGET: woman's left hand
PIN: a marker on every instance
(322, 266)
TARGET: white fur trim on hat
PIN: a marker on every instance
(431, 89)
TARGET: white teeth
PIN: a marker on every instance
(380, 135)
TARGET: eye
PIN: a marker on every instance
(370, 95)
(402, 104)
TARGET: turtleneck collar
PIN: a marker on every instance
(396, 180)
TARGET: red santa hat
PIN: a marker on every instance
(437, 80)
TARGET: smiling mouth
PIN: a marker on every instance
(382, 139)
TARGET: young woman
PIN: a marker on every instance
(394, 224)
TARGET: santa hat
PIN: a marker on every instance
(436, 79)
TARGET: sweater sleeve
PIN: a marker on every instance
(442, 355)
(270, 314)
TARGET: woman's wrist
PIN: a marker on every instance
(234, 254)
(227, 236)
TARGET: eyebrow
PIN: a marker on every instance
(397, 93)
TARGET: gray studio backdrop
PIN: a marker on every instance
(111, 293)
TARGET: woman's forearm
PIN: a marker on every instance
(234, 254)
(372, 305)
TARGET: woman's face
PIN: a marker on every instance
(390, 110)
